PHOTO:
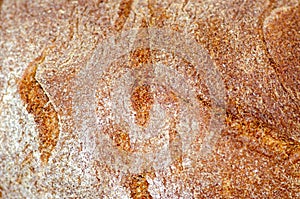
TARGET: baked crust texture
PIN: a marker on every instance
(150, 99)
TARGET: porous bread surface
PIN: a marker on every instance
(46, 49)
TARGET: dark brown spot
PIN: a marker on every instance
(142, 101)
(38, 104)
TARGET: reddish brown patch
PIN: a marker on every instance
(142, 101)
(119, 136)
(158, 14)
(140, 57)
(124, 11)
(260, 138)
(122, 140)
(282, 39)
(138, 186)
(38, 104)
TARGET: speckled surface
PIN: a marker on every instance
(219, 119)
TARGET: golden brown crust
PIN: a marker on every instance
(255, 47)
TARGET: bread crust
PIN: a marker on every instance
(254, 49)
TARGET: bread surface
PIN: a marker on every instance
(150, 99)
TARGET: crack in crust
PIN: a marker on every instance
(38, 104)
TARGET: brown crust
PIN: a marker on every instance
(37, 103)
(258, 153)
(281, 32)
(138, 186)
